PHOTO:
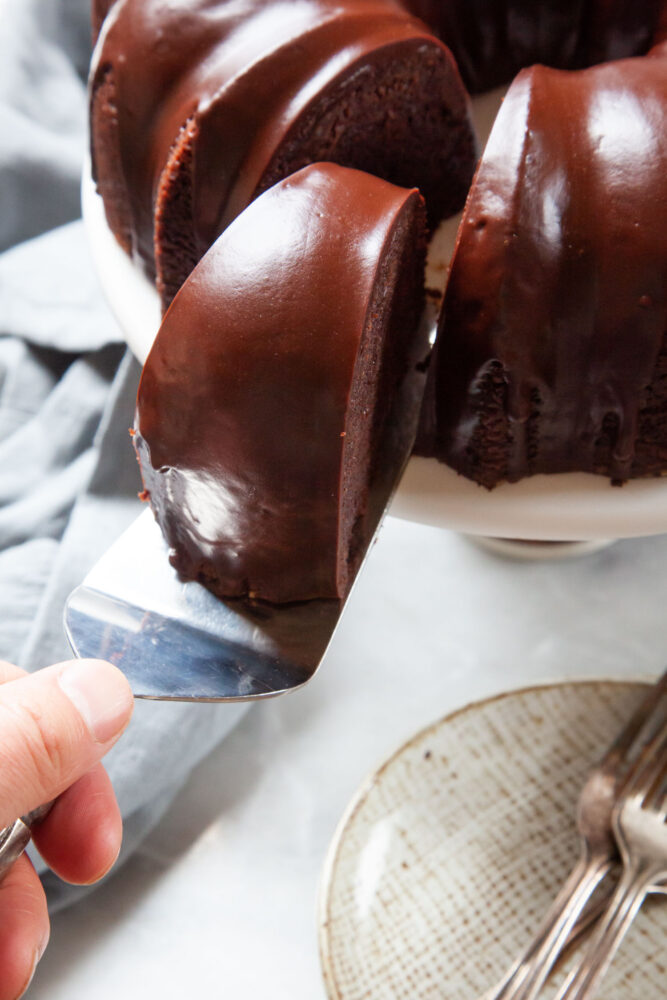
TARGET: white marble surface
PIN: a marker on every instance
(221, 900)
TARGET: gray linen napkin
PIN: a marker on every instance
(68, 478)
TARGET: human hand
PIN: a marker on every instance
(55, 726)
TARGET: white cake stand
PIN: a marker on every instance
(569, 507)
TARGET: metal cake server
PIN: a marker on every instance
(177, 641)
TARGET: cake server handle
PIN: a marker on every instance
(15, 838)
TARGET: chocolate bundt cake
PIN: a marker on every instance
(551, 352)
(199, 106)
(263, 403)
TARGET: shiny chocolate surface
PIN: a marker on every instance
(243, 408)
(550, 354)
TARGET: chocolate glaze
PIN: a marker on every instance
(244, 410)
(551, 348)
(245, 73)
(493, 39)
(98, 11)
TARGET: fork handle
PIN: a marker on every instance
(528, 974)
(623, 908)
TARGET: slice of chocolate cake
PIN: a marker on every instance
(264, 403)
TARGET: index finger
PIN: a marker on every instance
(9, 672)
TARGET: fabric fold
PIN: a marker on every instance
(68, 477)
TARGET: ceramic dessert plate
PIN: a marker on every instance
(452, 851)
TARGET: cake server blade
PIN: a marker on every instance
(175, 640)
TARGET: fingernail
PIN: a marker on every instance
(46, 937)
(31, 976)
(101, 695)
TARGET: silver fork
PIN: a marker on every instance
(598, 853)
(639, 824)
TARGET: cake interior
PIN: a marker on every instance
(390, 349)
(364, 120)
(176, 250)
(105, 149)
(399, 118)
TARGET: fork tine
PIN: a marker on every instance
(651, 708)
(650, 767)
(655, 796)
(662, 811)
(658, 793)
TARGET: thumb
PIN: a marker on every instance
(55, 725)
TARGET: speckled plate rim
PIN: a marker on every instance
(328, 873)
